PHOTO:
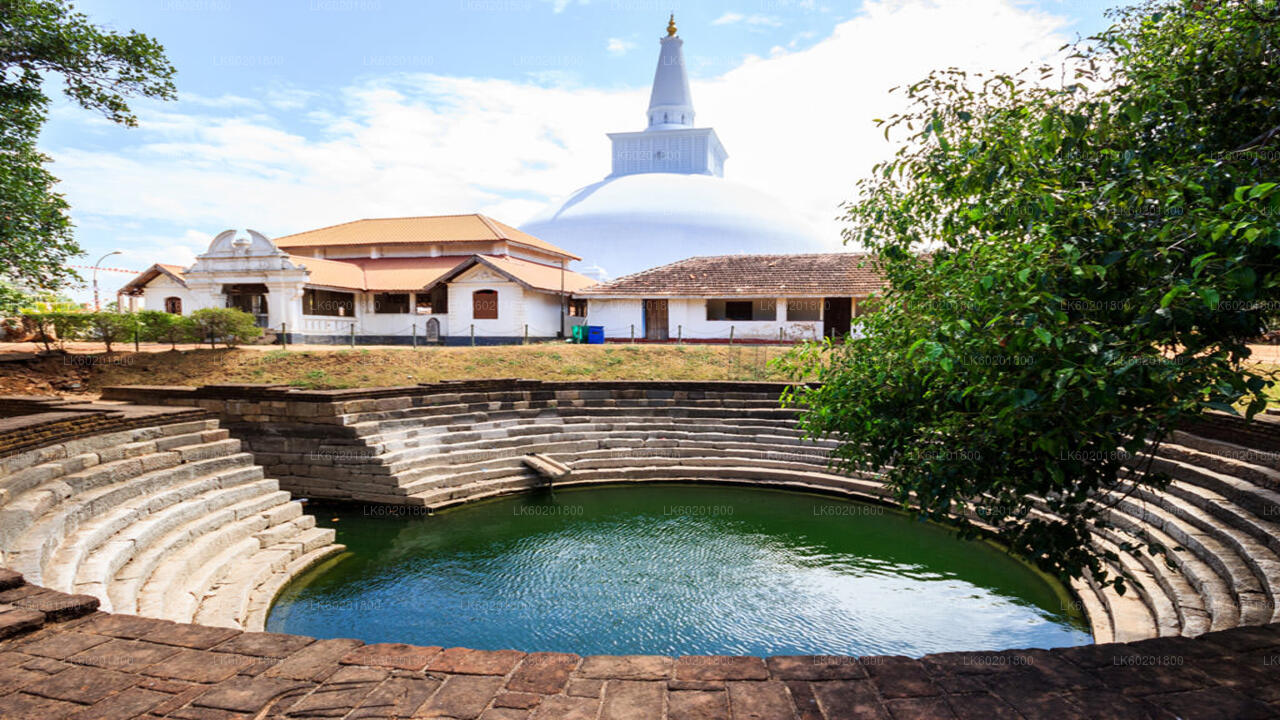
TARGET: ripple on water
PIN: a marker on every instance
(649, 569)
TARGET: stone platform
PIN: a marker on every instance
(59, 658)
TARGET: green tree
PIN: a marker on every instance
(228, 325)
(109, 327)
(101, 70)
(58, 326)
(1101, 244)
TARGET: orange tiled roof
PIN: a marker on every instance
(539, 276)
(135, 286)
(432, 229)
(548, 278)
(792, 275)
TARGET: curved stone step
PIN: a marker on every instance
(44, 486)
(1141, 579)
(1257, 556)
(1261, 502)
(124, 590)
(262, 597)
(1190, 606)
(1131, 618)
(1215, 547)
(176, 587)
(1213, 586)
(227, 603)
(1225, 450)
(183, 498)
(36, 544)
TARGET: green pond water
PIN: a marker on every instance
(672, 570)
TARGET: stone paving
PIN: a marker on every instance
(61, 658)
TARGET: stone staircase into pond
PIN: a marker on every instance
(446, 444)
(164, 515)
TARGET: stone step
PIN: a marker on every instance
(37, 542)
(227, 603)
(1214, 588)
(262, 597)
(1213, 546)
(182, 498)
(525, 479)
(471, 433)
(1095, 610)
(401, 461)
(92, 444)
(176, 587)
(124, 587)
(1224, 450)
(15, 483)
(1261, 560)
(406, 434)
(1261, 502)
(75, 475)
(1130, 617)
(498, 406)
(1139, 578)
(1192, 616)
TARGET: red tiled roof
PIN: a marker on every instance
(792, 275)
(549, 278)
(411, 230)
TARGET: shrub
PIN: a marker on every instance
(108, 327)
(159, 326)
(229, 325)
(57, 326)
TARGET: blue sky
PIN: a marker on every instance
(295, 114)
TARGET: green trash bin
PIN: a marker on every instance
(579, 334)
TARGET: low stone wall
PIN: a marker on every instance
(60, 659)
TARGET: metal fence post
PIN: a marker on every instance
(353, 335)
(415, 336)
(473, 334)
(284, 335)
(730, 334)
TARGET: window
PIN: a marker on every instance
(801, 309)
(743, 310)
(328, 302)
(173, 305)
(391, 303)
(578, 308)
(484, 305)
(434, 302)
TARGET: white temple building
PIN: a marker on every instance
(666, 197)
(452, 279)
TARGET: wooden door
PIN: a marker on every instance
(655, 320)
(837, 316)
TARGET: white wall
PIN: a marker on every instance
(163, 286)
(689, 316)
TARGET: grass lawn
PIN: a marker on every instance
(327, 369)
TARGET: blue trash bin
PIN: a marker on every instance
(595, 334)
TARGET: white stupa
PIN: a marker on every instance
(667, 198)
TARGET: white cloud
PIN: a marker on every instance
(618, 46)
(797, 124)
(733, 18)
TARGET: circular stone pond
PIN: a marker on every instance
(671, 570)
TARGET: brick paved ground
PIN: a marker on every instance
(60, 658)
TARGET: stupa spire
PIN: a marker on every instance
(670, 103)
